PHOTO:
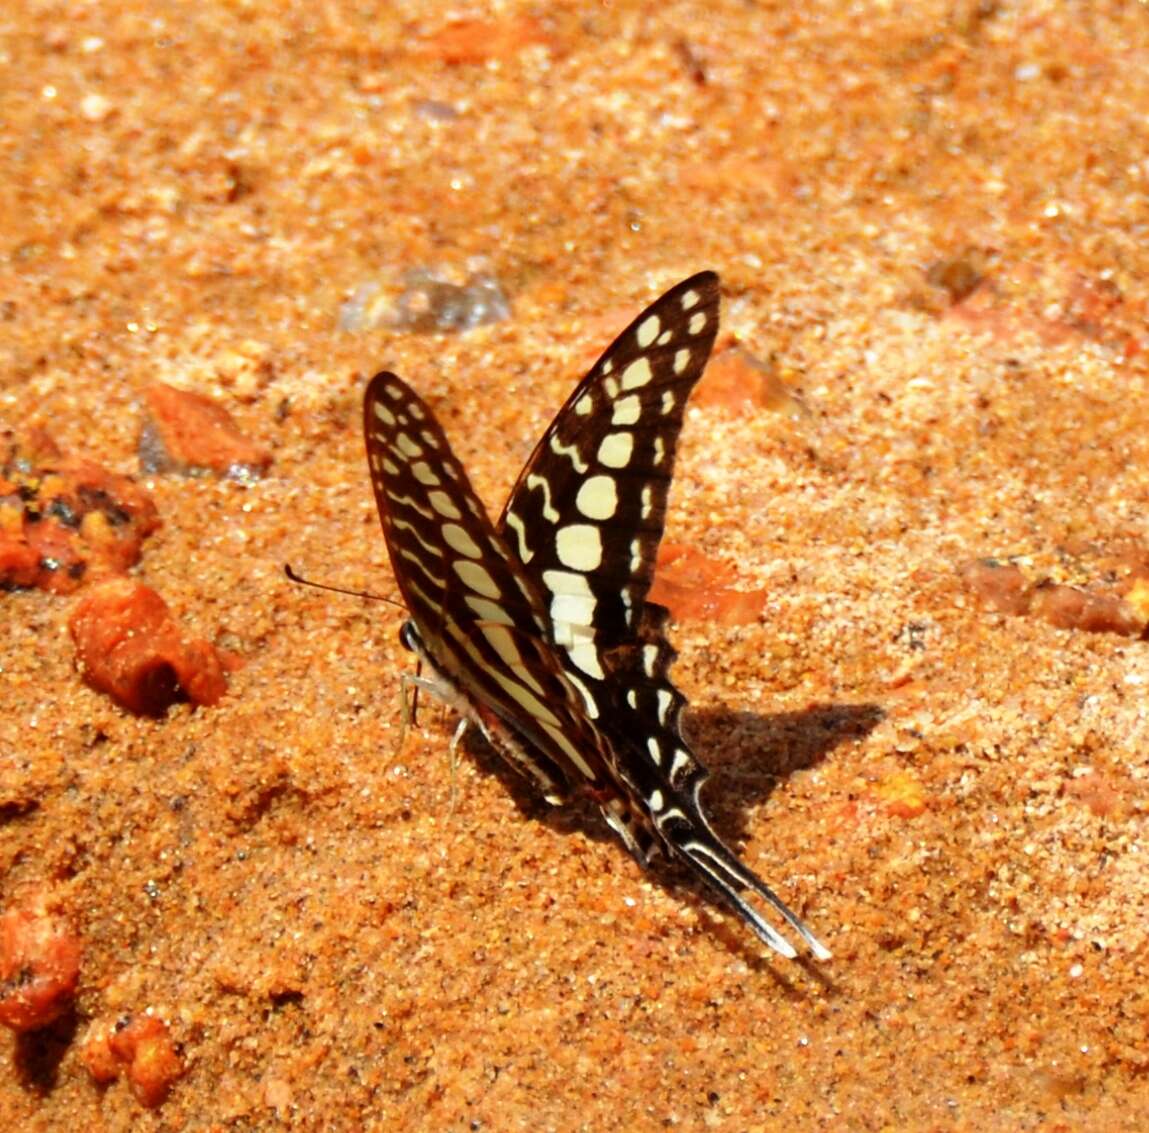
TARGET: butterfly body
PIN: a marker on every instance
(537, 628)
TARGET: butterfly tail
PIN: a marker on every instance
(695, 844)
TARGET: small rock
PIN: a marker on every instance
(695, 587)
(139, 1046)
(1002, 585)
(95, 107)
(430, 303)
(66, 520)
(190, 434)
(477, 41)
(1069, 607)
(129, 646)
(39, 966)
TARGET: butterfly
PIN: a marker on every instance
(537, 628)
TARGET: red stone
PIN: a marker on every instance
(1000, 585)
(139, 1046)
(39, 967)
(67, 521)
(130, 647)
(190, 434)
(694, 588)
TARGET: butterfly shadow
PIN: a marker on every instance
(747, 754)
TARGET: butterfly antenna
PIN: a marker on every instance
(295, 576)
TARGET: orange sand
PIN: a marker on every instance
(934, 220)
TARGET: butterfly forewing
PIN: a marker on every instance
(587, 513)
(538, 628)
(478, 617)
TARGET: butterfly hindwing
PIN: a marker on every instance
(587, 516)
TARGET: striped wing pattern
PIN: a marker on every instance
(537, 628)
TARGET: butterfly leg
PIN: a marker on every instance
(407, 704)
(634, 837)
(453, 750)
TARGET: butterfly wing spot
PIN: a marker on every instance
(680, 766)
(572, 616)
(664, 702)
(569, 451)
(407, 446)
(690, 299)
(508, 681)
(659, 452)
(444, 505)
(655, 749)
(627, 411)
(668, 403)
(637, 374)
(488, 611)
(697, 323)
(647, 331)
(616, 449)
(597, 497)
(500, 640)
(579, 546)
(647, 505)
(422, 472)
(412, 557)
(458, 540)
(382, 413)
(476, 577)
(416, 534)
(656, 802)
(403, 501)
(516, 524)
(572, 602)
(588, 699)
(548, 508)
(681, 360)
(584, 654)
(585, 405)
(650, 659)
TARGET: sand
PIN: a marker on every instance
(931, 221)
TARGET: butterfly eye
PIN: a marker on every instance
(407, 636)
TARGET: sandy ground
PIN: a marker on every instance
(933, 219)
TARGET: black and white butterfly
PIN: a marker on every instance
(537, 628)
